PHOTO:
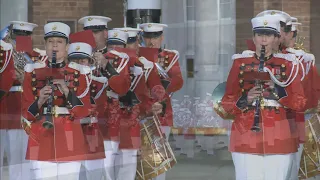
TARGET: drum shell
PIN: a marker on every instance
(311, 151)
(155, 151)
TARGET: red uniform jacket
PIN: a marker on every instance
(117, 73)
(90, 124)
(310, 85)
(144, 79)
(10, 90)
(276, 135)
(169, 61)
(11, 103)
(66, 141)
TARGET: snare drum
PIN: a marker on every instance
(310, 160)
(156, 156)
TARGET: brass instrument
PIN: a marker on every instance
(217, 95)
(162, 72)
(299, 44)
(48, 124)
(310, 159)
(20, 58)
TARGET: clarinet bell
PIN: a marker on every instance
(47, 125)
(255, 128)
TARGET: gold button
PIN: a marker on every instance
(35, 97)
(93, 90)
(167, 56)
(76, 79)
(282, 65)
(116, 57)
(33, 72)
(166, 62)
(33, 79)
(55, 97)
(241, 72)
(242, 64)
(76, 72)
(34, 89)
(242, 90)
(241, 81)
(1, 54)
(94, 85)
(283, 73)
(277, 107)
(75, 89)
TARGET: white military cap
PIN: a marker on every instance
(95, 22)
(294, 23)
(132, 33)
(56, 29)
(153, 27)
(282, 16)
(151, 30)
(79, 50)
(144, 4)
(117, 37)
(265, 24)
(23, 26)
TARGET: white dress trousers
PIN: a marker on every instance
(263, 167)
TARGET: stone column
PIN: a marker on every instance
(13, 10)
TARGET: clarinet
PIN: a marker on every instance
(48, 123)
(255, 126)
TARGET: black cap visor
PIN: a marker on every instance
(152, 34)
(115, 42)
(265, 31)
(96, 28)
(19, 32)
(131, 40)
(55, 34)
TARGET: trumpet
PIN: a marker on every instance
(162, 72)
(20, 59)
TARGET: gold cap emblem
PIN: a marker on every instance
(273, 13)
(149, 25)
(54, 27)
(90, 19)
(21, 24)
(77, 48)
(115, 34)
(265, 22)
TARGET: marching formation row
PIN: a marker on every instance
(85, 100)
